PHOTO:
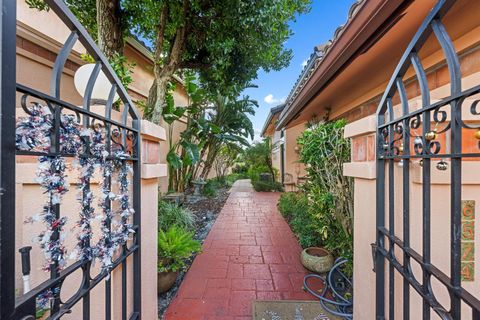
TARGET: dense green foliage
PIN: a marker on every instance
(229, 118)
(287, 204)
(213, 185)
(264, 186)
(324, 151)
(295, 208)
(256, 160)
(216, 128)
(226, 42)
(170, 214)
(322, 213)
(258, 157)
(231, 178)
(175, 246)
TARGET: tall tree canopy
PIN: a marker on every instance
(226, 41)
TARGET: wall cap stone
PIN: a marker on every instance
(361, 170)
(151, 131)
(153, 170)
(360, 127)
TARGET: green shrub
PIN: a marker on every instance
(287, 204)
(332, 235)
(329, 192)
(211, 187)
(174, 246)
(231, 178)
(240, 169)
(261, 186)
(255, 171)
(170, 214)
(295, 208)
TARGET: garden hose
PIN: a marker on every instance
(339, 305)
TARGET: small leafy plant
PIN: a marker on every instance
(175, 246)
(170, 214)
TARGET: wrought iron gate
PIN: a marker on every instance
(97, 142)
(407, 137)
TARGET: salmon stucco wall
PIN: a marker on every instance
(276, 152)
(292, 165)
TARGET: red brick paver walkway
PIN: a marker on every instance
(249, 254)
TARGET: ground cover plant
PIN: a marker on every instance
(171, 214)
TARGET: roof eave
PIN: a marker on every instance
(358, 30)
(273, 111)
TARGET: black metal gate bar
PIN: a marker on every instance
(7, 159)
(391, 213)
(425, 92)
(456, 161)
(406, 196)
(127, 135)
(394, 137)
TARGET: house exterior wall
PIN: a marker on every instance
(276, 153)
(292, 165)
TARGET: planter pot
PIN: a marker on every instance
(166, 280)
(317, 260)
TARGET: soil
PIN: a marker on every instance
(206, 211)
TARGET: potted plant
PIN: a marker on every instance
(318, 260)
(174, 247)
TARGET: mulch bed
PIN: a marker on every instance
(206, 211)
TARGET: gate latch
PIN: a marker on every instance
(374, 254)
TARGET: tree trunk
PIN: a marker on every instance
(157, 97)
(212, 153)
(164, 70)
(109, 25)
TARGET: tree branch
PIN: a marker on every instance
(161, 33)
(177, 49)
